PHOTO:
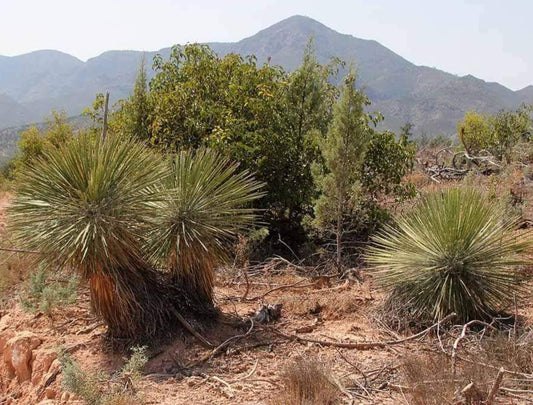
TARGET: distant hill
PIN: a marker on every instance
(33, 84)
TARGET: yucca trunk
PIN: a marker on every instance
(196, 275)
(141, 305)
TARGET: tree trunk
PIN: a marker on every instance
(339, 235)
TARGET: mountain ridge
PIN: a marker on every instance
(432, 99)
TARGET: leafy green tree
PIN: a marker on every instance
(344, 151)
(475, 132)
(496, 133)
(308, 100)
(34, 142)
(259, 116)
(387, 161)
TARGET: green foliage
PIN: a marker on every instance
(96, 112)
(207, 203)
(259, 116)
(133, 117)
(34, 142)
(100, 388)
(495, 133)
(454, 253)
(79, 382)
(43, 294)
(344, 151)
(387, 161)
(362, 167)
(134, 365)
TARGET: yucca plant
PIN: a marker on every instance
(454, 253)
(89, 204)
(207, 202)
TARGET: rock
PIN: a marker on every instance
(41, 364)
(268, 313)
(4, 337)
(65, 396)
(18, 355)
(50, 393)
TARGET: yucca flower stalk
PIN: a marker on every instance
(89, 205)
(207, 203)
(454, 253)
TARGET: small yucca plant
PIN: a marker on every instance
(89, 204)
(454, 253)
(207, 202)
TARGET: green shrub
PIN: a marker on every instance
(97, 388)
(454, 253)
(43, 294)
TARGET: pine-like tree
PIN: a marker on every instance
(133, 118)
(343, 150)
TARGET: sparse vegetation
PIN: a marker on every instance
(430, 379)
(97, 388)
(148, 215)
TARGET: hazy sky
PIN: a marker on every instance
(490, 39)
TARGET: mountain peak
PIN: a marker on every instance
(298, 23)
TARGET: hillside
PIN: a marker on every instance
(432, 99)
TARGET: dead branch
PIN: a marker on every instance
(191, 330)
(247, 280)
(222, 346)
(461, 337)
(495, 387)
(247, 375)
(90, 328)
(362, 345)
(229, 388)
(283, 287)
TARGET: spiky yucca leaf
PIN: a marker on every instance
(454, 253)
(87, 204)
(207, 203)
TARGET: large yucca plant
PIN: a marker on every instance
(89, 205)
(207, 202)
(454, 253)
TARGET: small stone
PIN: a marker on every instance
(50, 393)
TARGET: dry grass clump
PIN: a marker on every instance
(429, 379)
(306, 382)
(14, 269)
